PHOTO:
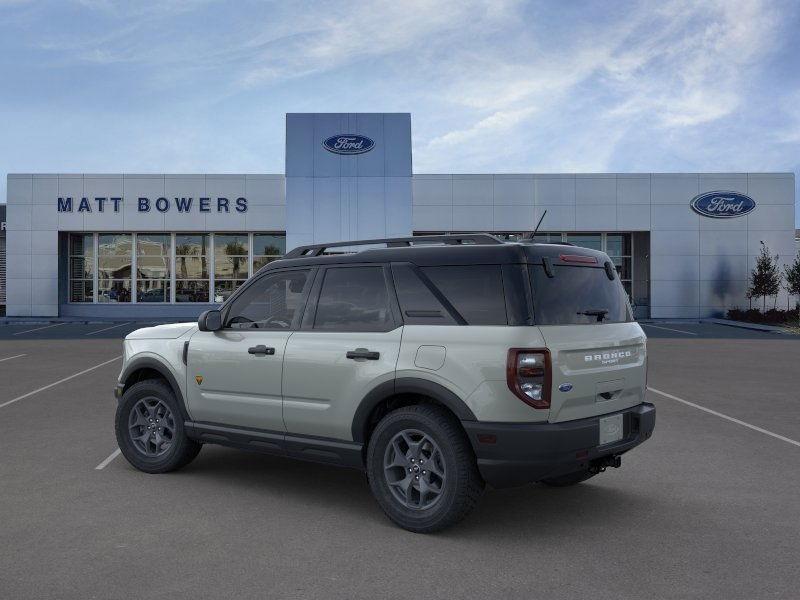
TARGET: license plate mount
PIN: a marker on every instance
(611, 429)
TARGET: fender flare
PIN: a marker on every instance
(147, 362)
(407, 385)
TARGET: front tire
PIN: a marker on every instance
(149, 428)
(422, 470)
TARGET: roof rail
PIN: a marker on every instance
(479, 239)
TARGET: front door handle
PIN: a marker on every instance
(363, 353)
(261, 350)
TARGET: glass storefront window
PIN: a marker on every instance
(153, 259)
(586, 240)
(165, 267)
(191, 267)
(81, 267)
(114, 267)
(231, 268)
(266, 248)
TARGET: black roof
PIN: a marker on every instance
(433, 250)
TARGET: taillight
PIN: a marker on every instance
(529, 376)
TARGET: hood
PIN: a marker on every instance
(162, 332)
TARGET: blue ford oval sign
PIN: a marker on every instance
(723, 205)
(346, 143)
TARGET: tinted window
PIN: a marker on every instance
(566, 298)
(272, 302)
(476, 291)
(354, 299)
(418, 304)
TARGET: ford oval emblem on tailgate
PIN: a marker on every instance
(565, 387)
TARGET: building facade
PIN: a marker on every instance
(170, 245)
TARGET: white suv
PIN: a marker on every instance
(433, 363)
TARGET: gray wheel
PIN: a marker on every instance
(151, 426)
(414, 469)
(421, 468)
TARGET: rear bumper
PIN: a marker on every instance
(527, 452)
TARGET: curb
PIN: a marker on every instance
(746, 325)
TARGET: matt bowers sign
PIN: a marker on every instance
(723, 205)
(182, 205)
(346, 143)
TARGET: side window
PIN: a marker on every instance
(476, 291)
(417, 303)
(272, 302)
(353, 299)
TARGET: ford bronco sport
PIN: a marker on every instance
(436, 364)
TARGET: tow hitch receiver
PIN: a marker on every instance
(601, 464)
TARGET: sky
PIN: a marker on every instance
(498, 86)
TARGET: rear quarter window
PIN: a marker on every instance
(575, 296)
(475, 291)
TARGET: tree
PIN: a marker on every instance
(791, 275)
(765, 279)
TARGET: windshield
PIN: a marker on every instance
(577, 296)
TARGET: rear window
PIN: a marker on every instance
(475, 291)
(577, 296)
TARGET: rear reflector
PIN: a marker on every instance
(487, 438)
(578, 258)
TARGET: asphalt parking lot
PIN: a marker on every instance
(708, 508)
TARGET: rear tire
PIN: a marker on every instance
(422, 470)
(568, 479)
(149, 428)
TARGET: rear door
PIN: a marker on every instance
(348, 344)
(598, 352)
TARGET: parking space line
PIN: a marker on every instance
(669, 329)
(107, 328)
(38, 329)
(55, 383)
(726, 417)
(10, 357)
(105, 463)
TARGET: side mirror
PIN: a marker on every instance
(210, 320)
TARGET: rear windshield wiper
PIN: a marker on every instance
(600, 313)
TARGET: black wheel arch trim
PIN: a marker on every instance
(406, 385)
(147, 362)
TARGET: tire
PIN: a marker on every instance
(166, 447)
(568, 479)
(451, 482)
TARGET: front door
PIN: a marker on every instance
(234, 374)
(348, 344)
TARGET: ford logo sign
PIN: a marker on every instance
(347, 143)
(723, 205)
(565, 387)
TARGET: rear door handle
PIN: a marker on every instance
(261, 350)
(363, 353)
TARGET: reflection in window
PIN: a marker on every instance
(114, 258)
(266, 248)
(81, 267)
(191, 268)
(152, 267)
(230, 264)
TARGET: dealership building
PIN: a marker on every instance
(126, 246)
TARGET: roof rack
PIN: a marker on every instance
(478, 239)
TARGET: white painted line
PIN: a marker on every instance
(49, 385)
(668, 329)
(111, 457)
(726, 417)
(38, 328)
(107, 328)
(10, 357)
